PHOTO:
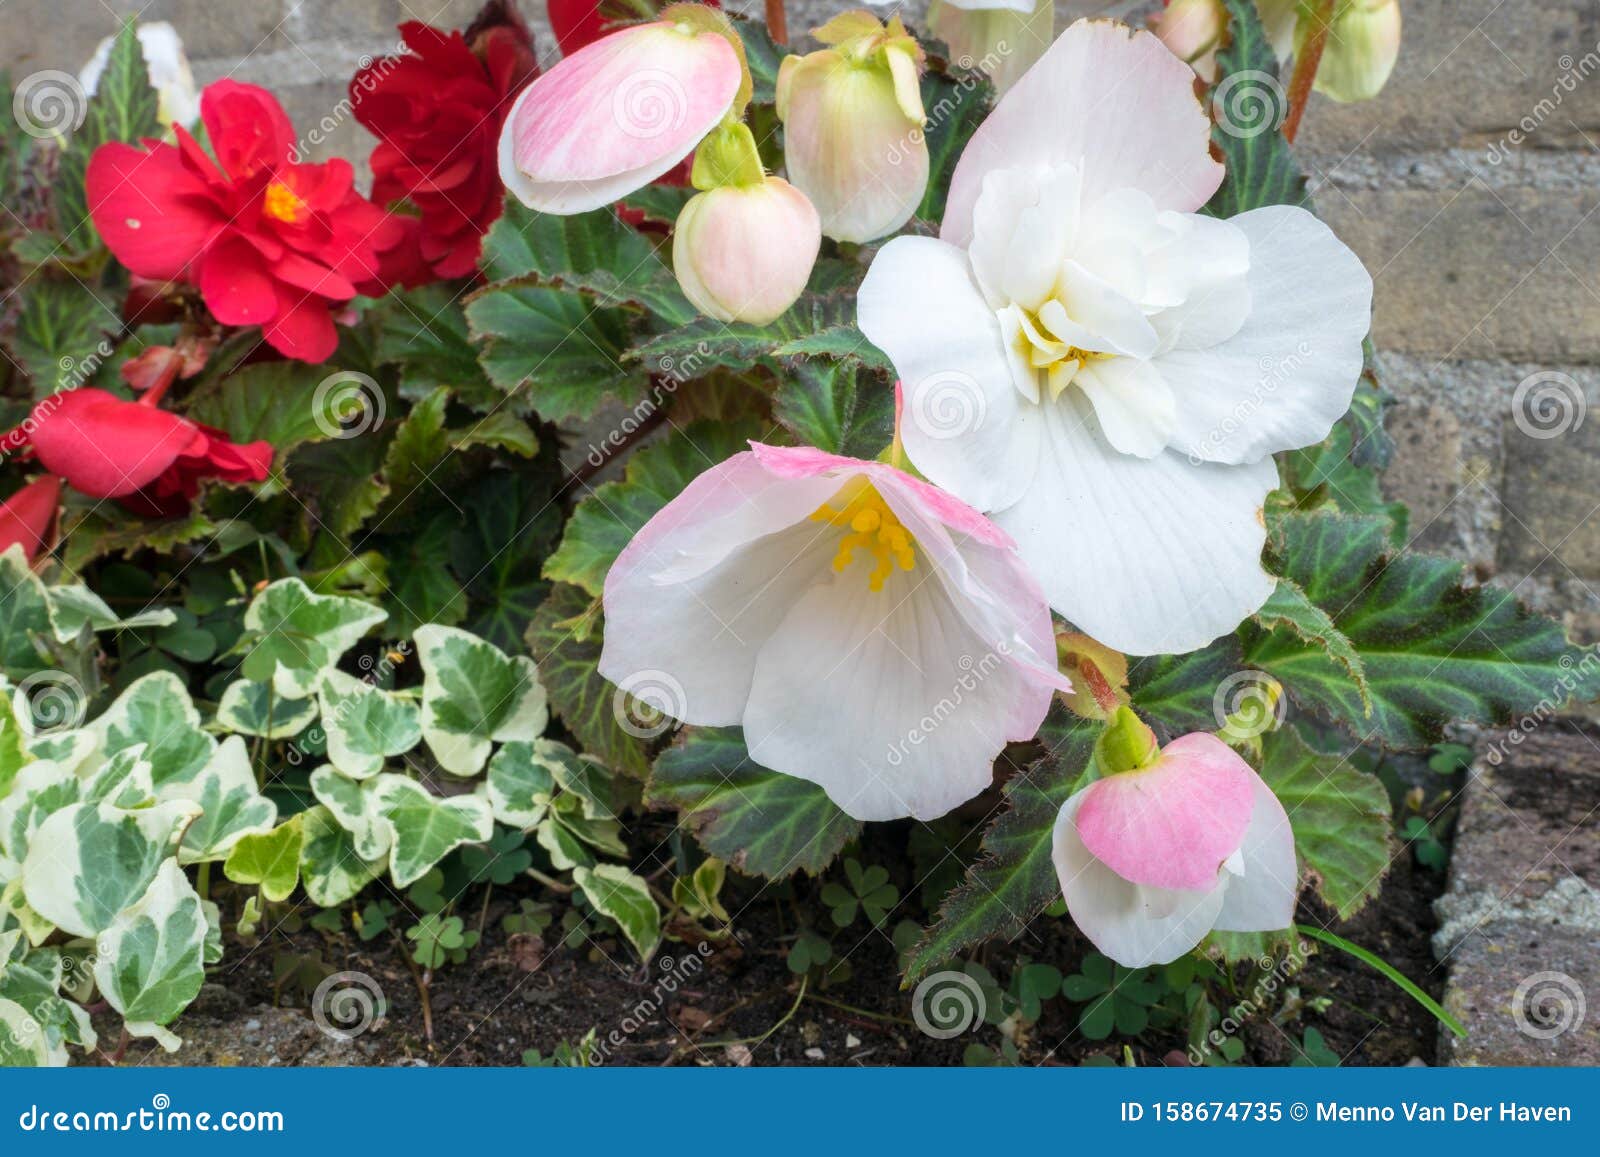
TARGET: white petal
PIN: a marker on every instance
(1260, 898)
(887, 700)
(1135, 407)
(1024, 225)
(965, 426)
(1150, 556)
(1133, 925)
(1115, 103)
(1288, 374)
(1101, 309)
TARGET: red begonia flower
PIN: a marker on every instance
(437, 113)
(268, 241)
(151, 460)
(28, 515)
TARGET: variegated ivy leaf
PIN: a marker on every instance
(569, 810)
(24, 614)
(332, 870)
(34, 980)
(270, 860)
(88, 862)
(71, 748)
(42, 787)
(252, 708)
(423, 828)
(365, 724)
(566, 851)
(473, 696)
(355, 805)
(624, 897)
(125, 780)
(14, 754)
(22, 1040)
(232, 806)
(150, 960)
(213, 915)
(74, 607)
(15, 913)
(295, 635)
(156, 710)
(521, 782)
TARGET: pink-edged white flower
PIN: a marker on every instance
(1103, 369)
(1151, 860)
(744, 252)
(618, 113)
(870, 633)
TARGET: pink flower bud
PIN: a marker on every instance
(1193, 29)
(853, 121)
(744, 252)
(617, 114)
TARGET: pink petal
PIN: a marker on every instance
(1109, 100)
(1173, 824)
(235, 284)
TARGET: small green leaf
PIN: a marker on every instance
(473, 696)
(625, 897)
(1250, 104)
(294, 635)
(269, 859)
(365, 724)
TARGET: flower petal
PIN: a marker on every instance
(1135, 926)
(1116, 104)
(105, 447)
(1288, 374)
(1147, 555)
(1135, 406)
(1261, 898)
(153, 212)
(1172, 824)
(967, 428)
(235, 284)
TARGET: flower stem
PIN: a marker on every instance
(1308, 58)
(777, 22)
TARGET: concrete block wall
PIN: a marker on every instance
(1470, 188)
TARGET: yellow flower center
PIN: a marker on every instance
(1044, 351)
(283, 203)
(872, 527)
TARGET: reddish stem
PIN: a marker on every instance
(777, 22)
(1307, 60)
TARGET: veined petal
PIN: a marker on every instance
(1136, 408)
(1171, 825)
(966, 427)
(1288, 374)
(1261, 898)
(1147, 555)
(1116, 104)
(1134, 925)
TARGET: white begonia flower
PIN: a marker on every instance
(1104, 370)
(168, 69)
(870, 633)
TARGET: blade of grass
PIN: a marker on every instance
(1399, 978)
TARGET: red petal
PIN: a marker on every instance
(248, 128)
(154, 214)
(236, 285)
(303, 328)
(27, 516)
(103, 446)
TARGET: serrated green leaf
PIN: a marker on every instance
(270, 860)
(1014, 877)
(691, 350)
(1289, 609)
(955, 107)
(284, 403)
(625, 897)
(423, 331)
(61, 333)
(474, 695)
(342, 480)
(1249, 103)
(295, 635)
(365, 724)
(1176, 693)
(760, 822)
(511, 522)
(836, 407)
(1434, 649)
(1340, 817)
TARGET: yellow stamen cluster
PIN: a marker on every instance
(1044, 351)
(872, 527)
(282, 203)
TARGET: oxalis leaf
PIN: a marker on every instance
(1434, 649)
(1340, 817)
(1014, 878)
(1249, 104)
(759, 821)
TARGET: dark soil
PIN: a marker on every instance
(512, 994)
